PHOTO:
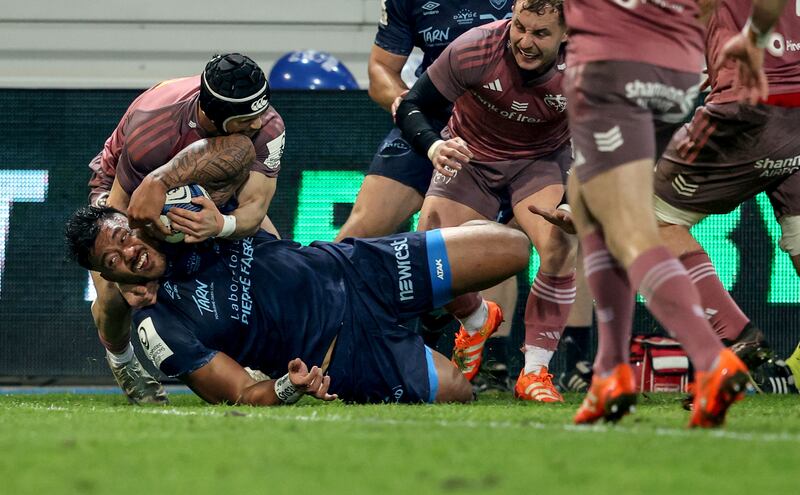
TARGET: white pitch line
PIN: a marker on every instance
(522, 424)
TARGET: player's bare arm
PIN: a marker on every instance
(385, 83)
(223, 380)
(219, 164)
(412, 117)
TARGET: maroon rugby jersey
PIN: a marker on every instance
(781, 58)
(664, 33)
(162, 121)
(501, 115)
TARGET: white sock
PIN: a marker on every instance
(474, 322)
(536, 358)
(121, 358)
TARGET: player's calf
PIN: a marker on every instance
(452, 385)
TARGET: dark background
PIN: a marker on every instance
(45, 324)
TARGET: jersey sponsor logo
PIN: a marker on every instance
(519, 106)
(774, 168)
(432, 36)
(203, 298)
(509, 114)
(559, 102)
(259, 103)
(610, 140)
(240, 261)
(465, 17)
(171, 290)
(430, 8)
(494, 85)
(402, 255)
(154, 346)
(778, 45)
(275, 151)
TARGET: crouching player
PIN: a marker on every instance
(263, 303)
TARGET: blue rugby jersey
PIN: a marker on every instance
(431, 25)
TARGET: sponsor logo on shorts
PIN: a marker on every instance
(774, 168)
(440, 178)
(395, 147)
(672, 101)
(203, 298)
(559, 102)
(684, 187)
(154, 346)
(439, 268)
(402, 255)
(610, 140)
(275, 151)
(384, 20)
(430, 8)
(433, 36)
(465, 17)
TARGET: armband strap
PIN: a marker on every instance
(228, 226)
(762, 37)
(286, 392)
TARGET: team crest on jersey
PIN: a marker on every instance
(559, 102)
(498, 4)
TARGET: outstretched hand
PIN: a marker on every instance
(311, 382)
(561, 217)
(750, 83)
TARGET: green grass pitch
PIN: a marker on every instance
(87, 444)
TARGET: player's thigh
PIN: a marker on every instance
(453, 387)
(621, 201)
(381, 206)
(556, 249)
(438, 212)
(482, 255)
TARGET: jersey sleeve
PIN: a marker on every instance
(168, 343)
(394, 28)
(458, 68)
(269, 144)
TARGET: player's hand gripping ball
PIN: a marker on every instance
(181, 197)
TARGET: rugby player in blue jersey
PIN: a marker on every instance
(326, 318)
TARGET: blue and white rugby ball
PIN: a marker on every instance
(181, 197)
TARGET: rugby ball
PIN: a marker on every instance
(181, 197)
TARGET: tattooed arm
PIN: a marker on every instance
(219, 164)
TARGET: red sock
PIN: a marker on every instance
(725, 316)
(117, 347)
(464, 305)
(547, 309)
(674, 300)
(614, 302)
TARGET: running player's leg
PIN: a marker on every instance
(551, 296)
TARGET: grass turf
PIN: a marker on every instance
(98, 444)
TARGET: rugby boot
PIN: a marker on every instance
(139, 386)
(536, 387)
(609, 398)
(578, 379)
(751, 347)
(468, 349)
(717, 389)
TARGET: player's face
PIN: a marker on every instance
(121, 255)
(249, 126)
(535, 39)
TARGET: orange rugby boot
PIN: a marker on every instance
(536, 387)
(717, 389)
(609, 398)
(468, 350)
